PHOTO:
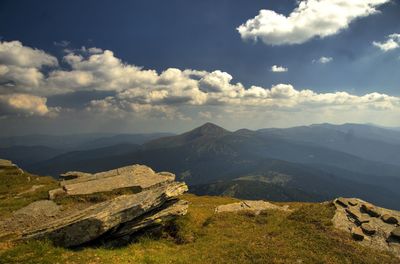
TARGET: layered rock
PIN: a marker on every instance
(135, 176)
(152, 200)
(369, 224)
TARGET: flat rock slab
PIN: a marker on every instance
(138, 176)
(39, 209)
(256, 206)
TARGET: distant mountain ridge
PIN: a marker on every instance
(318, 162)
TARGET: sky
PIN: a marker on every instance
(139, 66)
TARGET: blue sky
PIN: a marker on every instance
(314, 45)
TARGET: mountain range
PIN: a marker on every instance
(308, 163)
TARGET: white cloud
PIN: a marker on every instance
(312, 18)
(276, 68)
(323, 60)
(25, 105)
(392, 42)
(15, 54)
(171, 94)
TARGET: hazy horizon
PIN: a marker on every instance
(180, 131)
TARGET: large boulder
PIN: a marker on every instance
(368, 224)
(91, 223)
(153, 202)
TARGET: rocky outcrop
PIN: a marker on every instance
(368, 224)
(152, 199)
(253, 206)
(7, 165)
(135, 176)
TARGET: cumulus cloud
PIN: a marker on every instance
(392, 42)
(276, 68)
(170, 94)
(13, 53)
(312, 18)
(23, 104)
(323, 60)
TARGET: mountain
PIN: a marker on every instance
(28, 155)
(371, 143)
(78, 141)
(85, 160)
(210, 155)
(198, 136)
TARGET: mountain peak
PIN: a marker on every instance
(209, 129)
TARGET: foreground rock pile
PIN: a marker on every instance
(136, 198)
(370, 225)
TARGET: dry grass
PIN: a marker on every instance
(303, 236)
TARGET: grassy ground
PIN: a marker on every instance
(14, 189)
(302, 236)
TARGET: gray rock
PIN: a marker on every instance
(136, 176)
(89, 224)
